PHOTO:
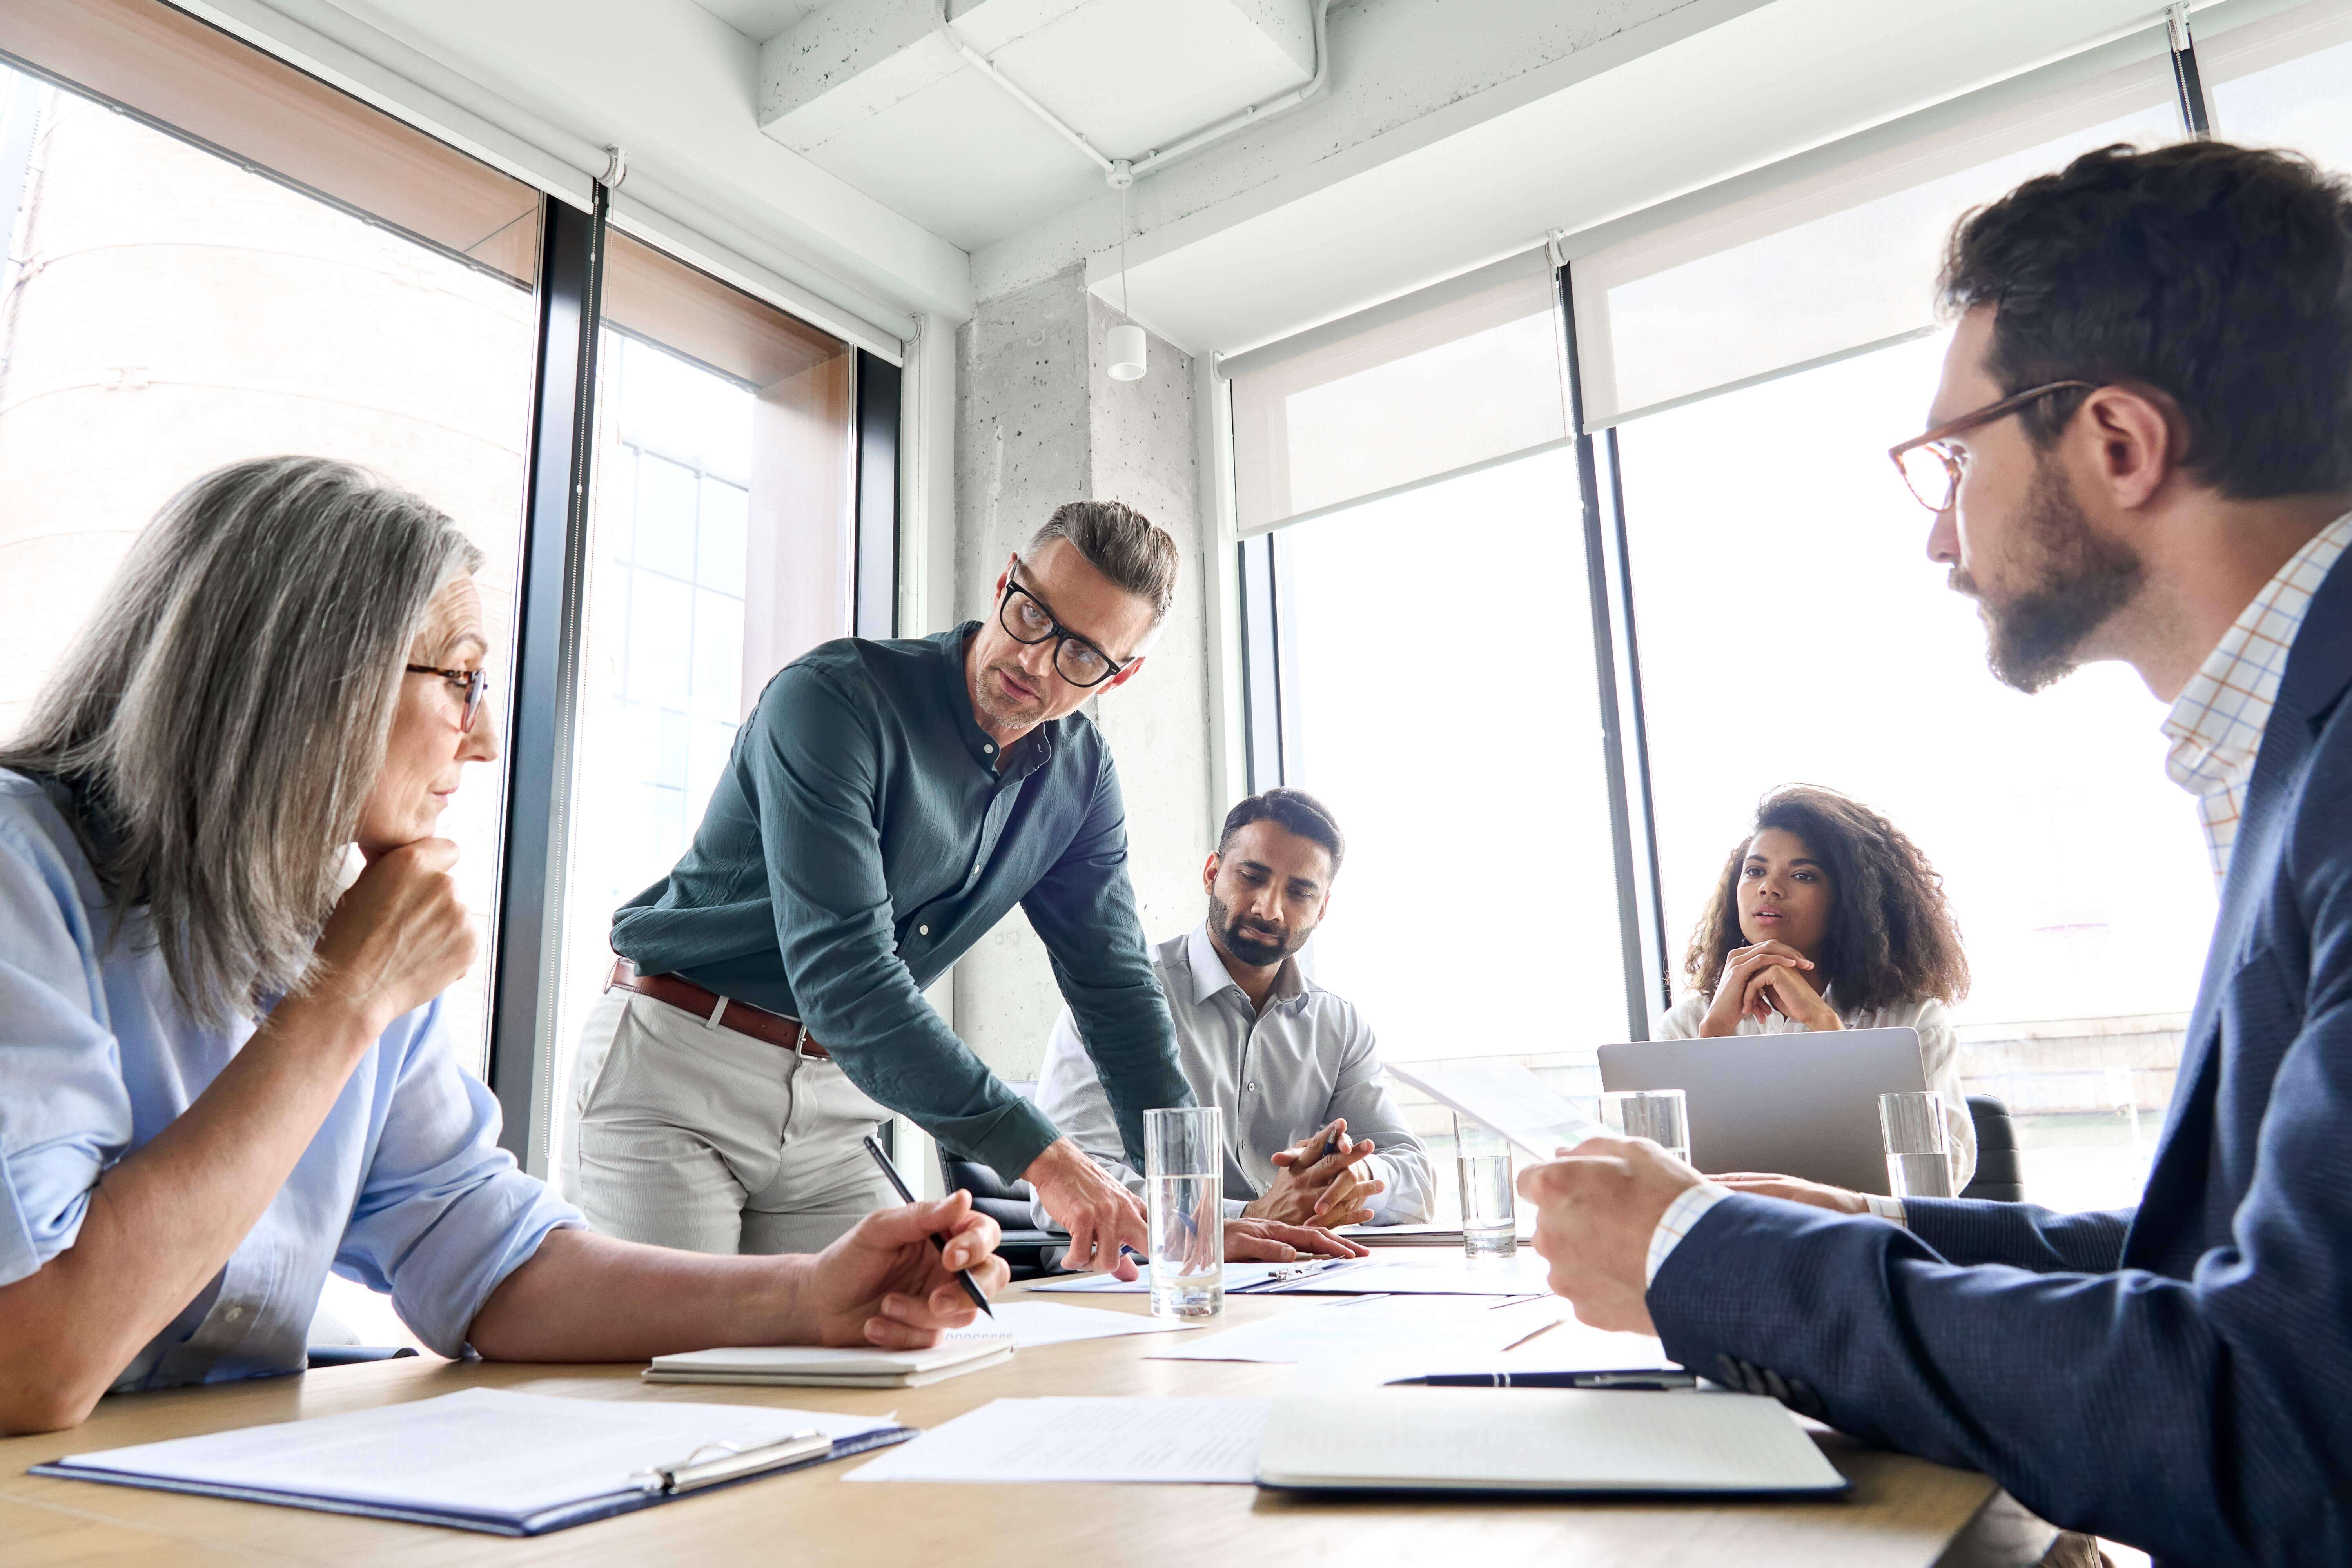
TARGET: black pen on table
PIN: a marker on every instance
(1650, 1381)
(964, 1275)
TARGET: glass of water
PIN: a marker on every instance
(1661, 1115)
(1490, 1227)
(1919, 1156)
(1183, 1170)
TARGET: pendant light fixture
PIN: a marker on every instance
(1123, 345)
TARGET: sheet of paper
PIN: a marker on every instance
(1036, 1324)
(1079, 1439)
(1405, 1329)
(1507, 1097)
(485, 1451)
(1426, 1270)
(1237, 1276)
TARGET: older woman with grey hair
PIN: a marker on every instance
(223, 1072)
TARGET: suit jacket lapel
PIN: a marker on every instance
(2317, 670)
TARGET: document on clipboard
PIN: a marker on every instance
(487, 1460)
(1507, 1097)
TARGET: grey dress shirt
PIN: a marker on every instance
(1279, 1076)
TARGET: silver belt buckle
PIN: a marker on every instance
(800, 1041)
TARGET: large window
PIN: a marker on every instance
(1792, 630)
(169, 306)
(1447, 715)
(1745, 356)
(721, 546)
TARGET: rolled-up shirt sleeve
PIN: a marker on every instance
(65, 1114)
(444, 1214)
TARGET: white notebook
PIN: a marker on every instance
(1539, 1440)
(819, 1367)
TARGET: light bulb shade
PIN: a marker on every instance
(1123, 347)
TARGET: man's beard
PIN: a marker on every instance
(1254, 950)
(1003, 713)
(2080, 579)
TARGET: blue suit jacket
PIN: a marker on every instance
(2178, 1377)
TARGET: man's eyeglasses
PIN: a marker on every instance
(470, 683)
(1932, 468)
(1026, 619)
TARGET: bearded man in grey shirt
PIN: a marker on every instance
(1312, 1135)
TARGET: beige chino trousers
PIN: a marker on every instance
(696, 1137)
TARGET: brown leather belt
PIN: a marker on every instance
(719, 1012)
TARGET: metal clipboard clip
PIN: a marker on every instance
(731, 1460)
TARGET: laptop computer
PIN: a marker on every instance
(1799, 1104)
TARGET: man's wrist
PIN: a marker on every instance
(1689, 1206)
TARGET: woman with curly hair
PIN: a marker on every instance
(1828, 917)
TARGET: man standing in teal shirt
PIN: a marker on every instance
(884, 806)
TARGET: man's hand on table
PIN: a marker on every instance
(885, 1283)
(1313, 1188)
(1271, 1241)
(1083, 1199)
(1596, 1208)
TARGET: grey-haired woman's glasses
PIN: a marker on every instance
(469, 683)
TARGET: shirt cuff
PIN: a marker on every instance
(1677, 1222)
(1889, 1209)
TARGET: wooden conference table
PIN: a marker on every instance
(1901, 1510)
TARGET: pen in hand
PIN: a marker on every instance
(899, 1183)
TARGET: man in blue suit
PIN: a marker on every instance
(2140, 449)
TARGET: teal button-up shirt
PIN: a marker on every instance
(863, 837)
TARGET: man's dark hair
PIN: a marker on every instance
(1292, 808)
(2219, 274)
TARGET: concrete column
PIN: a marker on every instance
(1040, 422)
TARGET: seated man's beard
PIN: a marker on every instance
(1253, 950)
(2079, 580)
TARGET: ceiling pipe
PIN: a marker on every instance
(1120, 173)
(987, 67)
(1257, 113)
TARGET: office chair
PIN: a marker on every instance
(1026, 1251)
(2000, 1173)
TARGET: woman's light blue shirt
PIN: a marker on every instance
(404, 1189)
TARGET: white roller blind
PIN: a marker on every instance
(2286, 81)
(1454, 377)
(1831, 263)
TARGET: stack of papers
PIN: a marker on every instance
(1239, 1277)
(1379, 1339)
(1085, 1440)
(1433, 1270)
(510, 1464)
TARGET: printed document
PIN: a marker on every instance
(1036, 1324)
(1508, 1098)
(1080, 1439)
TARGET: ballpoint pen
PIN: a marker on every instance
(964, 1275)
(1653, 1381)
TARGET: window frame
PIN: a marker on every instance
(540, 704)
(1268, 721)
